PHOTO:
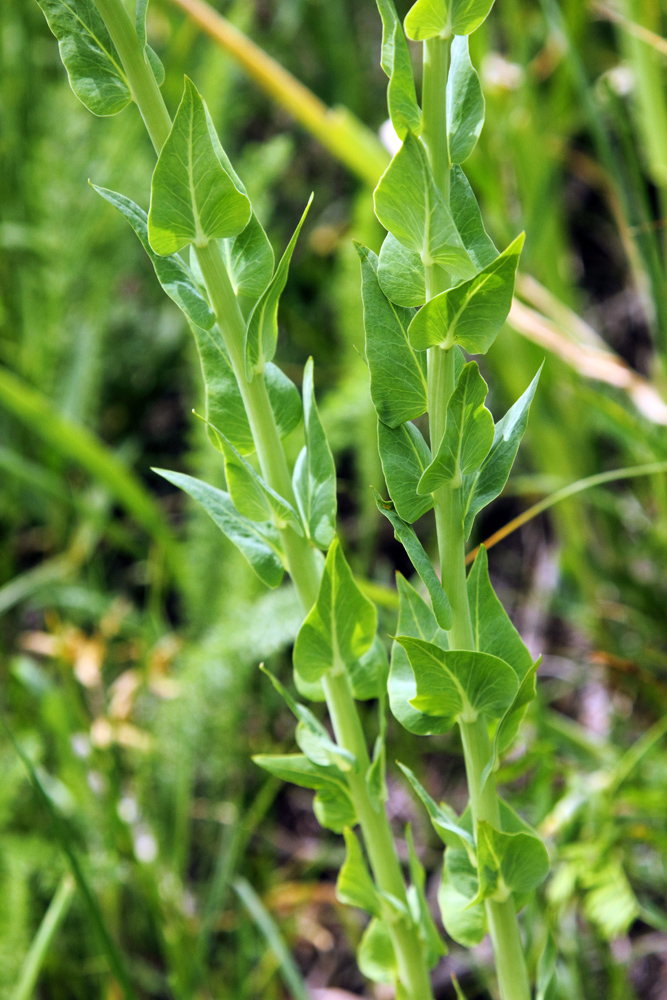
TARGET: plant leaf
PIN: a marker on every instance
(401, 274)
(332, 804)
(95, 72)
(416, 619)
(249, 259)
(546, 970)
(468, 433)
(340, 627)
(470, 314)
(483, 486)
(262, 331)
(252, 497)
(375, 956)
(194, 197)
(467, 15)
(434, 946)
(176, 278)
(468, 219)
(405, 455)
(493, 631)
(421, 562)
(410, 205)
(445, 821)
(508, 862)
(508, 726)
(426, 19)
(464, 923)
(354, 885)
(395, 60)
(258, 543)
(368, 675)
(459, 683)
(398, 373)
(314, 476)
(465, 103)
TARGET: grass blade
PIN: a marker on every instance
(42, 941)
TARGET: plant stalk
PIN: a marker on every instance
(303, 564)
(503, 924)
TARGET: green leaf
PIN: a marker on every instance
(421, 562)
(332, 804)
(155, 63)
(194, 197)
(470, 314)
(368, 675)
(426, 19)
(483, 486)
(224, 404)
(340, 627)
(312, 738)
(252, 497)
(468, 219)
(410, 205)
(399, 387)
(176, 278)
(445, 821)
(468, 433)
(249, 259)
(405, 455)
(376, 781)
(459, 683)
(464, 923)
(434, 946)
(95, 72)
(508, 862)
(401, 274)
(354, 885)
(467, 15)
(546, 970)
(460, 995)
(314, 476)
(508, 726)
(396, 63)
(258, 543)
(493, 631)
(141, 10)
(375, 956)
(262, 331)
(415, 618)
(465, 103)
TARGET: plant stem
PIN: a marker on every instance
(503, 924)
(303, 563)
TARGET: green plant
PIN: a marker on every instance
(458, 661)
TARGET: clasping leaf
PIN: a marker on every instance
(314, 476)
(332, 804)
(405, 456)
(195, 196)
(395, 60)
(430, 18)
(354, 885)
(472, 313)
(508, 863)
(465, 103)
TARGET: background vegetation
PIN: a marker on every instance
(131, 630)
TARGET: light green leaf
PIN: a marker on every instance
(312, 738)
(467, 15)
(340, 627)
(258, 543)
(224, 404)
(464, 923)
(415, 618)
(459, 683)
(194, 197)
(493, 631)
(405, 455)
(95, 72)
(155, 63)
(354, 885)
(508, 726)
(426, 19)
(375, 956)
(399, 387)
(332, 804)
(141, 10)
(368, 674)
(546, 970)
(410, 205)
(401, 273)
(483, 486)
(376, 780)
(445, 821)
(465, 103)
(249, 259)
(468, 433)
(421, 562)
(434, 946)
(468, 219)
(262, 331)
(176, 278)
(470, 314)
(396, 63)
(508, 862)
(314, 476)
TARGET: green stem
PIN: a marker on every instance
(304, 566)
(503, 924)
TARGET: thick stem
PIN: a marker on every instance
(503, 924)
(304, 567)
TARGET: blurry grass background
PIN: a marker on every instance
(130, 630)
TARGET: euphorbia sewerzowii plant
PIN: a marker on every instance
(439, 288)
